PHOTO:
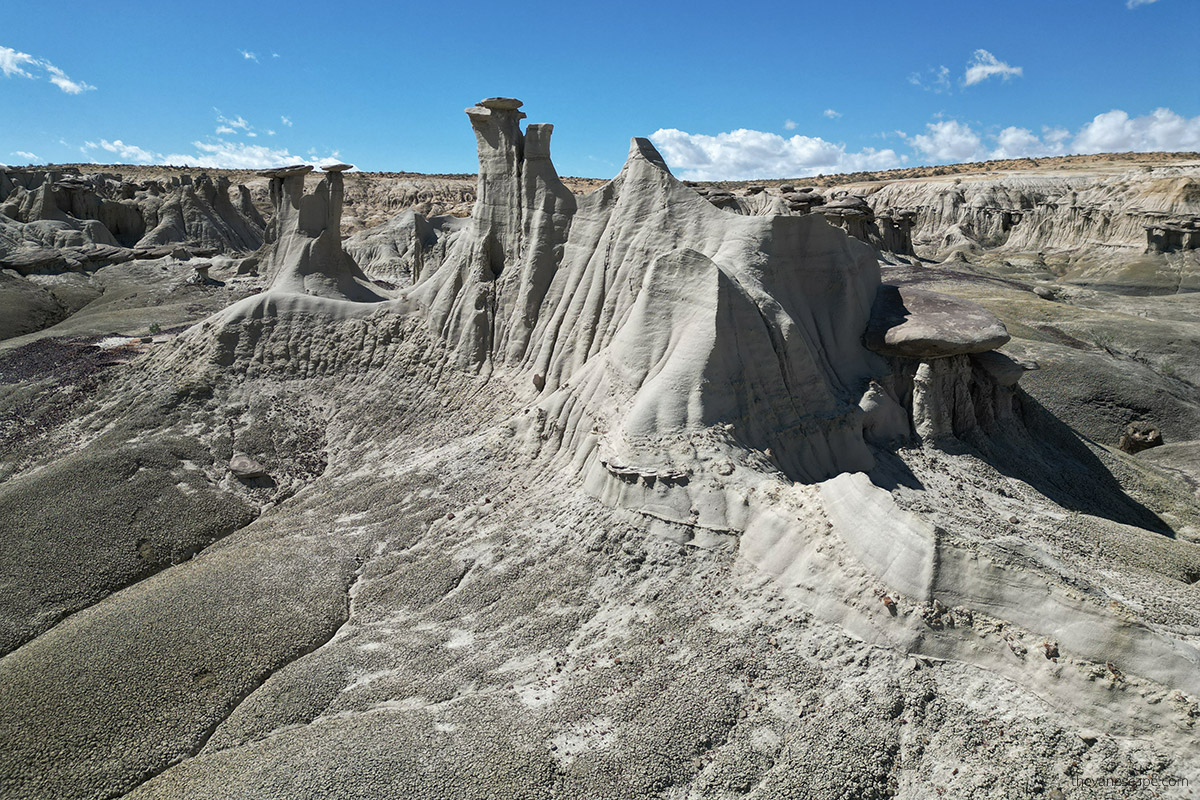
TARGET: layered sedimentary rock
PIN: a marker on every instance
(889, 231)
(1122, 212)
(398, 250)
(626, 452)
(203, 213)
(42, 212)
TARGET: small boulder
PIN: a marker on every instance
(1139, 436)
(245, 467)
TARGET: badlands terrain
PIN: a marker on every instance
(352, 485)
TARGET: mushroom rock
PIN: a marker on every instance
(917, 323)
(490, 272)
(946, 372)
(853, 214)
(304, 252)
(501, 146)
(594, 300)
(895, 229)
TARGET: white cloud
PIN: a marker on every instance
(1135, 3)
(1161, 130)
(13, 63)
(744, 154)
(790, 125)
(221, 154)
(32, 158)
(831, 114)
(270, 132)
(128, 152)
(287, 121)
(1014, 142)
(60, 79)
(276, 55)
(236, 122)
(948, 140)
(936, 80)
(246, 54)
(223, 129)
(216, 154)
(984, 65)
(1111, 132)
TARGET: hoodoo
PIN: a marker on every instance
(651, 491)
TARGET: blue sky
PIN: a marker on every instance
(726, 90)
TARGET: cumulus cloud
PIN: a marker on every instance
(32, 158)
(744, 154)
(1014, 142)
(1116, 131)
(213, 154)
(246, 54)
(222, 154)
(749, 154)
(790, 124)
(287, 121)
(15, 64)
(1135, 3)
(948, 140)
(829, 112)
(984, 65)
(128, 153)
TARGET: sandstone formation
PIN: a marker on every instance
(57, 211)
(888, 232)
(1120, 214)
(921, 324)
(398, 249)
(646, 492)
(303, 252)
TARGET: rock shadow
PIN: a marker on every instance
(1056, 460)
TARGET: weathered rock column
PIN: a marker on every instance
(501, 146)
(305, 238)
